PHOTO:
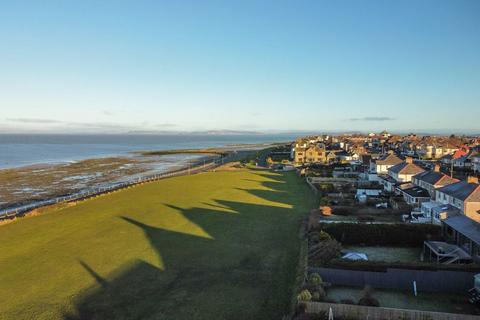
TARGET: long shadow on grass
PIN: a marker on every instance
(243, 271)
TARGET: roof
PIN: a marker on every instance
(389, 159)
(466, 226)
(435, 178)
(406, 168)
(416, 192)
(368, 192)
(462, 190)
(462, 151)
(387, 178)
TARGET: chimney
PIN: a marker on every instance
(472, 179)
(409, 160)
(436, 168)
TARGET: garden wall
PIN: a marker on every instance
(429, 281)
(347, 311)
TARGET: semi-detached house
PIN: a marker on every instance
(463, 195)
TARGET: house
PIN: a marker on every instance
(463, 232)
(433, 212)
(297, 152)
(431, 180)
(412, 194)
(463, 195)
(398, 174)
(344, 156)
(314, 153)
(330, 157)
(404, 171)
(462, 162)
(382, 164)
(476, 163)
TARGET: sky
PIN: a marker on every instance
(264, 66)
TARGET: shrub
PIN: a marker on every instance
(319, 295)
(315, 279)
(324, 251)
(367, 299)
(324, 201)
(326, 188)
(305, 295)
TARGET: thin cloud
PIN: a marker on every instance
(166, 125)
(372, 119)
(107, 113)
(33, 120)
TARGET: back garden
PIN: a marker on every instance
(394, 252)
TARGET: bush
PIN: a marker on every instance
(382, 266)
(367, 299)
(305, 295)
(319, 295)
(324, 251)
(326, 187)
(315, 278)
(324, 201)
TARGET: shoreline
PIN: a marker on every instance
(224, 149)
(202, 163)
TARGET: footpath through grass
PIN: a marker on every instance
(216, 245)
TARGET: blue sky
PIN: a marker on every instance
(118, 66)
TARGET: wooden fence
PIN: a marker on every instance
(347, 311)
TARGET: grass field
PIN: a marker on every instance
(216, 245)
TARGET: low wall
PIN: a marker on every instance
(427, 280)
(377, 313)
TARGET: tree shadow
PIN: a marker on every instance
(241, 271)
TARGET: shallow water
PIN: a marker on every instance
(18, 150)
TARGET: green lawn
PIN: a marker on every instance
(217, 245)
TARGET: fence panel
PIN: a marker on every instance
(378, 313)
(402, 279)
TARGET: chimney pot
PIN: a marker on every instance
(436, 168)
(409, 160)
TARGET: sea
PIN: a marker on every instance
(17, 150)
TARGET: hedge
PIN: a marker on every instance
(382, 234)
(381, 266)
